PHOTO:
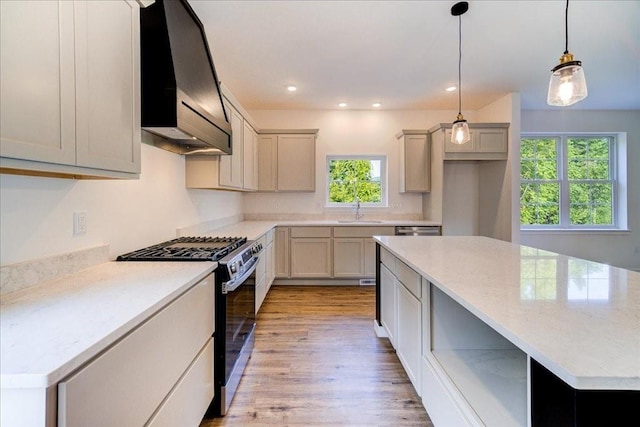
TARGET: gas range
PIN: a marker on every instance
(235, 296)
(187, 249)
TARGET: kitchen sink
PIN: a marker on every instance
(359, 221)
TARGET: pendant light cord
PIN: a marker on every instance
(460, 64)
(566, 28)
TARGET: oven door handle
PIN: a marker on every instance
(234, 284)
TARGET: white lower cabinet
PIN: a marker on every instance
(270, 255)
(125, 385)
(388, 303)
(348, 257)
(194, 391)
(409, 335)
(311, 252)
(261, 275)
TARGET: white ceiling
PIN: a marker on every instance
(404, 53)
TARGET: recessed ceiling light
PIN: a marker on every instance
(342, 104)
(376, 105)
(292, 88)
(451, 88)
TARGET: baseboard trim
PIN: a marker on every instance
(317, 282)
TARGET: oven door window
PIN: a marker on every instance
(240, 319)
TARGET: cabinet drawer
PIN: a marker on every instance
(388, 260)
(363, 231)
(310, 232)
(126, 384)
(409, 278)
(189, 400)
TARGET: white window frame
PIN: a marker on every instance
(383, 180)
(617, 152)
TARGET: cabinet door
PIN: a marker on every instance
(491, 140)
(231, 173)
(37, 81)
(250, 180)
(416, 164)
(310, 258)
(282, 252)
(409, 335)
(267, 162)
(388, 284)
(348, 257)
(271, 265)
(296, 165)
(107, 41)
(450, 147)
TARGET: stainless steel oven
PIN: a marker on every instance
(235, 322)
(235, 294)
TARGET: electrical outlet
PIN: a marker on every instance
(79, 223)
(636, 249)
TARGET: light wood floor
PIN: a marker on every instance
(317, 361)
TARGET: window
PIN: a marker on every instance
(568, 181)
(356, 178)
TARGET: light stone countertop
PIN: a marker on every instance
(254, 229)
(51, 329)
(578, 318)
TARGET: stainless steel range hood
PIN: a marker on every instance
(181, 99)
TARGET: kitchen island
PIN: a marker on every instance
(511, 335)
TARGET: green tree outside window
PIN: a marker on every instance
(566, 181)
(351, 178)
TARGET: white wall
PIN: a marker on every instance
(619, 249)
(37, 213)
(344, 132)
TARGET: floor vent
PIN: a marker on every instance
(367, 282)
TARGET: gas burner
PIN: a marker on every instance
(187, 249)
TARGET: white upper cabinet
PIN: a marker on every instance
(238, 171)
(250, 147)
(489, 141)
(287, 160)
(70, 88)
(415, 161)
(231, 167)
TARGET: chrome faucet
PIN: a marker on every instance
(358, 214)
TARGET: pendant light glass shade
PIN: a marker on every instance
(567, 84)
(460, 129)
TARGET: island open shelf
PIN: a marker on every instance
(489, 372)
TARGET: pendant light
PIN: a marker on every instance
(460, 129)
(567, 84)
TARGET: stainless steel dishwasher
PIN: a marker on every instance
(419, 230)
